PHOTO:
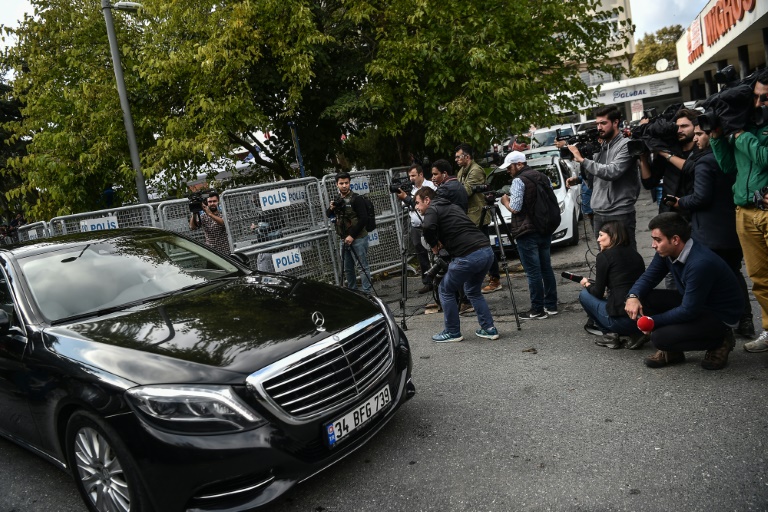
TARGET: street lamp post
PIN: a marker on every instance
(106, 8)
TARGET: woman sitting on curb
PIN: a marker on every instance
(617, 267)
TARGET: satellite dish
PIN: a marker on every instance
(662, 65)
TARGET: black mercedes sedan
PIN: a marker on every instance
(164, 376)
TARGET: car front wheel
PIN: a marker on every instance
(104, 472)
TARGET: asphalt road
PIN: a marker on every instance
(541, 419)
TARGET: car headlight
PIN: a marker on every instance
(194, 409)
(561, 204)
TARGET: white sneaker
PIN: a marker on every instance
(759, 345)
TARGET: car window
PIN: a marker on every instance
(80, 278)
(552, 173)
(6, 299)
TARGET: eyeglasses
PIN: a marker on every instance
(460, 156)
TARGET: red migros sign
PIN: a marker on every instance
(723, 16)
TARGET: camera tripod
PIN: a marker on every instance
(405, 238)
(497, 219)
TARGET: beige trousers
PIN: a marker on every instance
(752, 227)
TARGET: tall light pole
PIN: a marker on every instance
(106, 8)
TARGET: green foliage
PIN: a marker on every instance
(396, 77)
(653, 47)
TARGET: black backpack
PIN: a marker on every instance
(371, 224)
(545, 213)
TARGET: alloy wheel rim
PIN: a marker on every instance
(100, 472)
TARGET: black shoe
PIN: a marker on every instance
(636, 341)
(609, 340)
(746, 327)
(424, 289)
(534, 315)
(591, 328)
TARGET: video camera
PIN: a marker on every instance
(732, 108)
(401, 183)
(660, 133)
(196, 200)
(586, 142)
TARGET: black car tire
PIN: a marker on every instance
(95, 450)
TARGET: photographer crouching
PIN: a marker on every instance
(446, 226)
(206, 213)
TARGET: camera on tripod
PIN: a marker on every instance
(586, 142)
(196, 200)
(489, 194)
(401, 183)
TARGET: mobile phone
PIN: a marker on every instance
(669, 199)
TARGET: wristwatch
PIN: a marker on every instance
(632, 296)
(669, 157)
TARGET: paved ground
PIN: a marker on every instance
(541, 419)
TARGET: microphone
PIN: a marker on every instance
(574, 277)
(645, 323)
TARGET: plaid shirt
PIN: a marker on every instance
(215, 235)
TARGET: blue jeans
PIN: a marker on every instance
(596, 310)
(467, 272)
(360, 249)
(586, 198)
(533, 249)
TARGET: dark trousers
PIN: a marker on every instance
(733, 258)
(706, 332)
(421, 254)
(628, 219)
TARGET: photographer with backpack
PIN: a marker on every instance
(350, 213)
(535, 216)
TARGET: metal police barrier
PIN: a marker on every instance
(33, 231)
(383, 243)
(273, 211)
(306, 255)
(141, 215)
(174, 216)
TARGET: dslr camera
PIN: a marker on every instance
(758, 198)
(586, 142)
(439, 266)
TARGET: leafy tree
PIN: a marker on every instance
(653, 47)
(11, 147)
(394, 77)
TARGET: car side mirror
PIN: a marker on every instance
(241, 258)
(5, 322)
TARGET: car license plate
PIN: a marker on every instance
(341, 428)
(504, 240)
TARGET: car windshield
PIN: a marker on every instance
(547, 138)
(78, 278)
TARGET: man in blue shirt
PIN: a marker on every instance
(701, 312)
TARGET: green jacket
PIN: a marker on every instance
(748, 157)
(469, 177)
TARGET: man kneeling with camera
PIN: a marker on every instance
(446, 226)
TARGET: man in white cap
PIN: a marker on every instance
(532, 246)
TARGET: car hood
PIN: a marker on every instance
(215, 333)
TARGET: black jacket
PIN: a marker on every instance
(617, 269)
(445, 222)
(713, 214)
(454, 192)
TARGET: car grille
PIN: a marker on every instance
(329, 373)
